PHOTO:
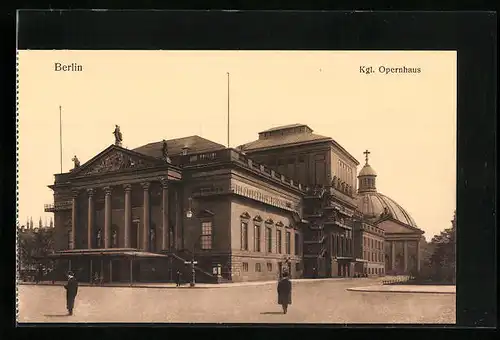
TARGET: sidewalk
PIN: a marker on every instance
(441, 289)
(172, 285)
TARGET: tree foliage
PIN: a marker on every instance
(441, 264)
(33, 247)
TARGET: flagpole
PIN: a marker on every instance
(228, 109)
(60, 135)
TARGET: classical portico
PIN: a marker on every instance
(119, 203)
(395, 255)
(112, 194)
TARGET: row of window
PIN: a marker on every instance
(345, 172)
(341, 245)
(376, 244)
(268, 239)
(258, 267)
(373, 256)
(368, 182)
(374, 270)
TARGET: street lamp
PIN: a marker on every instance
(189, 215)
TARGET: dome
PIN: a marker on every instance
(373, 204)
(367, 171)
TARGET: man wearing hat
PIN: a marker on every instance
(285, 291)
(71, 291)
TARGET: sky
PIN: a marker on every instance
(406, 121)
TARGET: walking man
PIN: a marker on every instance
(285, 292)
(71, 291)
(178, 278)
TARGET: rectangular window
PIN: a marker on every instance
(288, 241)
(297, 243)
(278, 241)
(257, 238)
(269, 239)
(297, 266)
(269, 267)
(206, 235)
(244, 236)
(245, 266)
(257, 267)
(70, 239)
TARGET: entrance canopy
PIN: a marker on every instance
(113, 252)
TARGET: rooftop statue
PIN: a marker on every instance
(118, 136)
(76, 161)
(164, 152)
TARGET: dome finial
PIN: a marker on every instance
(366, 155)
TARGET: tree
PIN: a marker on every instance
(33, 248)
(443, 259)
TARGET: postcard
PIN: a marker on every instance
(208, 186)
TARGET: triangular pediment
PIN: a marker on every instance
(113, 159)
(245, 215)
(205, 213)
(257, 218)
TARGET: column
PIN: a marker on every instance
(73, 219)
(418, 256)
(145, 244)
(110, 271)
(90, 227)
(165, 229)
(128, 214)
(107, 217)
(393, 255)
(405, 243)
(178, 238)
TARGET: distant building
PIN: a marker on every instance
(285, 201)
(401, 234)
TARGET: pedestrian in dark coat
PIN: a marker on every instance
(178, 278)
(71, 291)
(285, 292)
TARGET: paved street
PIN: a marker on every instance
(312, 302)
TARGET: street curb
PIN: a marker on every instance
(199, 286)
(354, 289)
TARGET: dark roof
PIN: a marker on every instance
(283, 127)
(194, 143)
(276, 141)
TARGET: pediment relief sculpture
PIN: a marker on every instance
(115, 161)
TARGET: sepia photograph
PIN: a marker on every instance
(204, 186)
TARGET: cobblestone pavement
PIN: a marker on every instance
(312, 302)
